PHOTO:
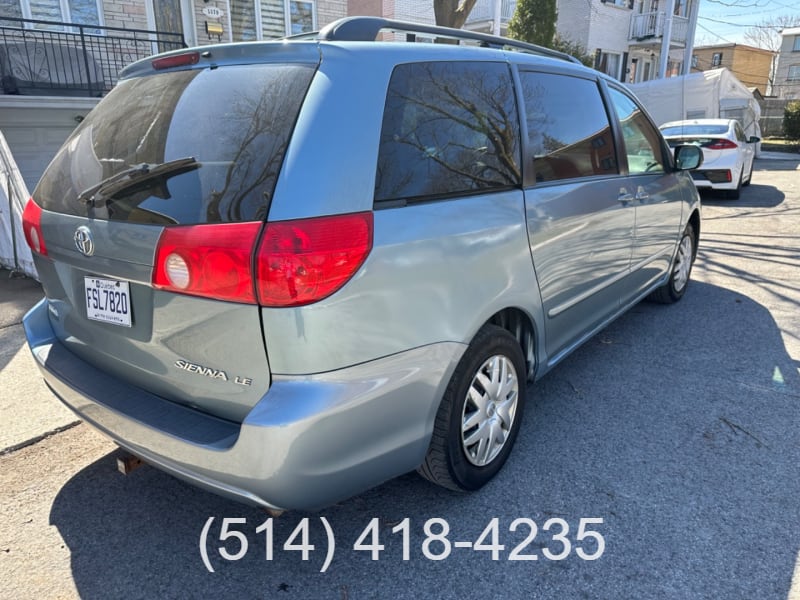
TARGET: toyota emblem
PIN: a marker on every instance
(83, 240)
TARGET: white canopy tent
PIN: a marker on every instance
(715, 94)
(14, 252)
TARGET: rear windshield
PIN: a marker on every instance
(695, 130)
(199, 146)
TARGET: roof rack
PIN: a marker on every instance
(366, 29)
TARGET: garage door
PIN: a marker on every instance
(35, 130)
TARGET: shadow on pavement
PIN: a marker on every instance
(752, 196)
(677, 425)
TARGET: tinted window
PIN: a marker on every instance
(568, 130)
(695, 130)
(235, 121)
(739, 132)
(448, 128)
(642, 140)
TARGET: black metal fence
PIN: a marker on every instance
(66, 59)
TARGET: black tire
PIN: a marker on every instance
(749, 177)
(734, 194)
(453, 462)
(681, 269)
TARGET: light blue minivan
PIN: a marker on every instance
(289, 271)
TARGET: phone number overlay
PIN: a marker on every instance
(554, 540)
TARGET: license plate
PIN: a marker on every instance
(108, 301)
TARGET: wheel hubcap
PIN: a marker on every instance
(683, 264)
(489, 410)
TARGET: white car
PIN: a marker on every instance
(727, 152)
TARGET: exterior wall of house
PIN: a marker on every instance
(603, 28)
(330, 10)
(128, 15)
(750, 65)
(370, 8)
(787, 78)
(575, 19)
(417, 11)
(609, 25)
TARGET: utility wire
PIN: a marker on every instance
(741, 24)
(716, 35)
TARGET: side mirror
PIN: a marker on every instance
(688, 156)
(753, 140)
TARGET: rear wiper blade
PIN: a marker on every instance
(99, 194)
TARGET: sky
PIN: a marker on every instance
(725, 21)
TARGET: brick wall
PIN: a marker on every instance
(127, 15)
(750, 65)
(330, 10)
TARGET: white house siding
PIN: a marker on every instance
(609, 26)
(788, 57)
(416, 11)
(575, 19)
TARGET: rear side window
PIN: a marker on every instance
(568, 128)
(235, 122)
(740, 135)
(642, 140)
(448, 128)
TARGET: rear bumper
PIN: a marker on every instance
(309, 442)
(715, 179)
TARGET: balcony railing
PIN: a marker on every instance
(650, 26)
(484, 11)
(66, 59)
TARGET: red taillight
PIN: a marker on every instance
(303, 261)
(213, 261)
(297, 262)
(32, 227)
(177, 60)
(722, 145)
(728, 175)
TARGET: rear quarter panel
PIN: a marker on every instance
(437, 272)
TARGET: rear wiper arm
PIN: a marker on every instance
(98, 194)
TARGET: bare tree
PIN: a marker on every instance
(452, 13)
(766, 34)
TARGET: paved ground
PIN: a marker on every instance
(25, 402)
(678, 426)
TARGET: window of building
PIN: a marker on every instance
(610, 64)
(448, 129)
(674, 68)
(694, 61)
(302, 16)
(263, 19)
(796, 47)
(83, 12)
(647, 71)
(794, 73)
(716, 59)
(245, 17)
(569, 134)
